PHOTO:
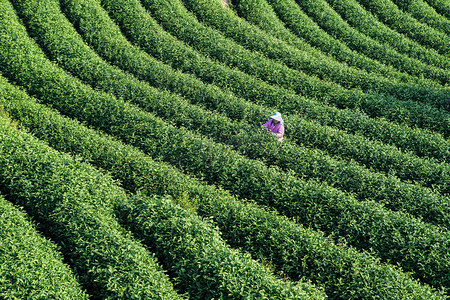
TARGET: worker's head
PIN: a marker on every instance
(276, 117)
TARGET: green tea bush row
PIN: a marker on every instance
(251, 37)
(358, 180)
(391, 15)
(293, 250)
(74, 205)
(395, 53)
(141, 29)
(105, 37)
(260, 13)
(424, 13)
(176, 19)
(208, 268)
(31, 267)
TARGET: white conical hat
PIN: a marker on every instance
(277, 116)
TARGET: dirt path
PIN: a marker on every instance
(225, 3)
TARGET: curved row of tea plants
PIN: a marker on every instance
(260, 13)
(175, 18)
(424, 13)
(391, 15)
(31, 267)
(338, 212)
(102, 35)
(363, 183)
(294, 251)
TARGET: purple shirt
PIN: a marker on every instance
(278, 129)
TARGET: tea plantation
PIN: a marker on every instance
(133, 163)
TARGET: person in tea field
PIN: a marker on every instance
(275, 126)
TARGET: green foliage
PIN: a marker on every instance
(249, 179)
(140, 287)
(441, 6)
(30, 265)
